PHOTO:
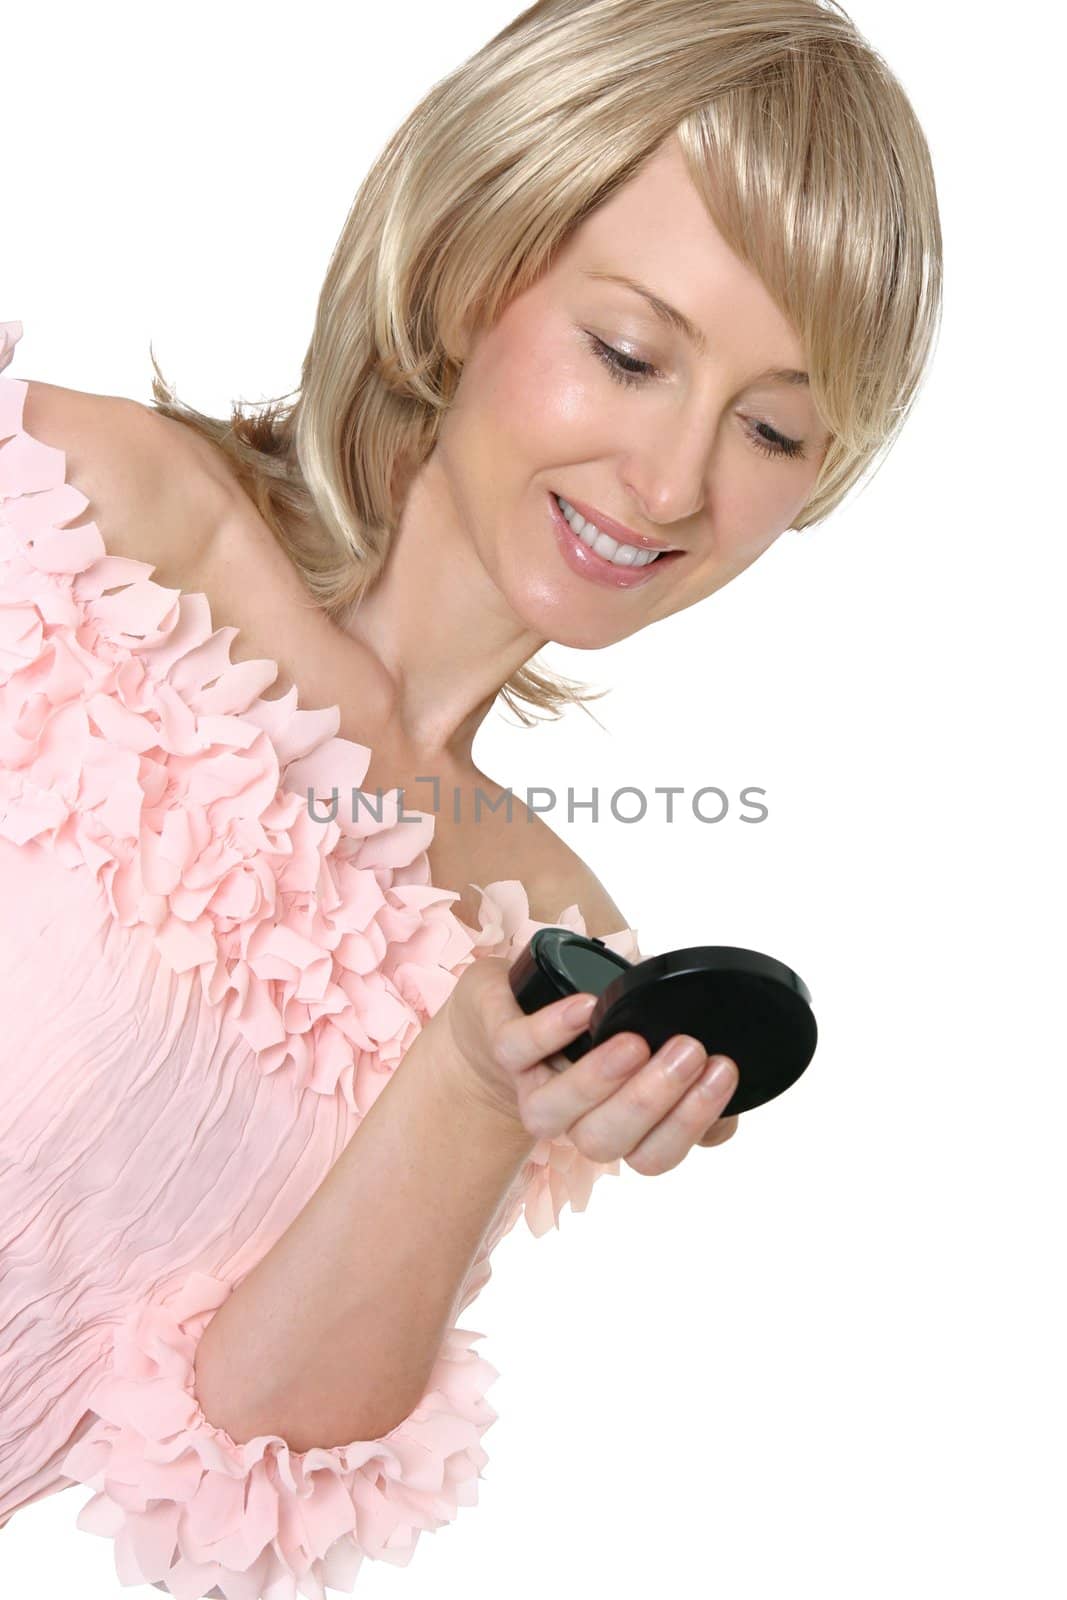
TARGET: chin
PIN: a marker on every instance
(557, 624)
(559, 606)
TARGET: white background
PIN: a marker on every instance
(825, 1359)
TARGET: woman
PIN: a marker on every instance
(670, 268)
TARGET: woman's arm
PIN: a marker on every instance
(333, 1335)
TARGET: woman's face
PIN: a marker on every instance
(703, 452)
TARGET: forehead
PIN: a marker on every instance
(657, 230)
(662, 191)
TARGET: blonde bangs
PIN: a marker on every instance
(841, 226)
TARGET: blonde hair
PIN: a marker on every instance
(802, 144)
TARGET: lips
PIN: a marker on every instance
(617, 530)
(587, 564)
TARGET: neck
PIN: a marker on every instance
(444, 636)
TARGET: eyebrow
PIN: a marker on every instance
(680, 322)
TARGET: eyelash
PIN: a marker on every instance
(635, 374)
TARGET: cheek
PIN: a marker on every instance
(757, 500)
(535, 393)
(553, 412)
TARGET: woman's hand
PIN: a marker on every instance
(619, 1101)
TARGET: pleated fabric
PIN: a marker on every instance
(203, 989)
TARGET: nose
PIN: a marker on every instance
(667, 471)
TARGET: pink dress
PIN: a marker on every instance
(203, 990)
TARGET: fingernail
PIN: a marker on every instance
(682, 1057)
(721, 1069)
(578, 1009)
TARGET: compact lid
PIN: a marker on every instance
(737, 1002)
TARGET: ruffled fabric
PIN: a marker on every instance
(195, 1512)
(132, 746)
(135, 751)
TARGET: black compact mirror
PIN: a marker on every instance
(739, 1003)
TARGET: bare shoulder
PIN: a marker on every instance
(137, 470)
(571, 881)
(527, 848)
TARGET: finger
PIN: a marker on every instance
(671, 1139)
(618, 1126)
(561, 1092)
(721, 1130)
(590, 1105)
(521, 1042)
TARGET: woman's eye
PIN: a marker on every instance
(626, 370)
(772, 443)
(623, 368)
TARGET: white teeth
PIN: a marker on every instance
(620, 555)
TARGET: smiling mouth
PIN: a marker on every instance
(619, 554)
